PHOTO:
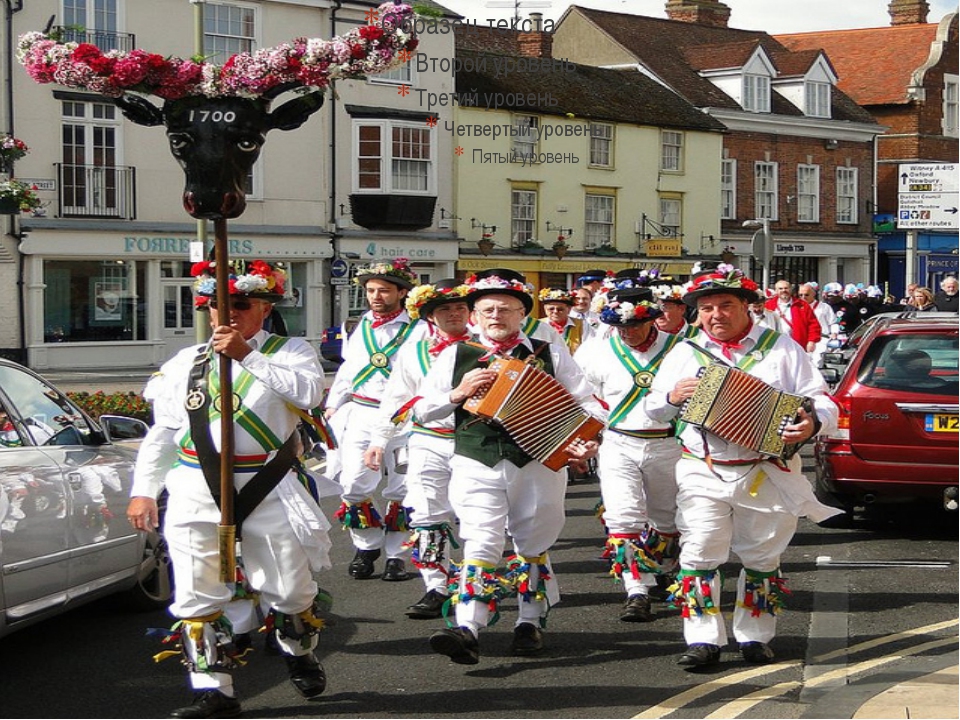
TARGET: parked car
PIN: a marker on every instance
(64, 486)
(331, 342)
(898, 429)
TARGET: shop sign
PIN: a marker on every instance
(663, 247)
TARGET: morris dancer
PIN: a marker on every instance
(496, 487)
(637, 459)
(355, 398)
(557, 304)
(430, 447)
(284, 536)
(729, 497)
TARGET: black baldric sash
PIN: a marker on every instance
(266, 479)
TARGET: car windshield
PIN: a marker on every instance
(918, 362)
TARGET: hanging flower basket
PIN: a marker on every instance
(11, 149)
(606, 250)
(530, 247)
(16, 197)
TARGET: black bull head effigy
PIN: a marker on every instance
(217, 140)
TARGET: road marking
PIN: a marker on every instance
(827, 561)
(736, 708)
(698, 691)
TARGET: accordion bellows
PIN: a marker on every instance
(743, 410)
(536, 410)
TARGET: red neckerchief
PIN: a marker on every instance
(734, 343)
(502, 348)
(442, 343)
(648, 342)
(382, 319)
(676, 329)
(559, 328)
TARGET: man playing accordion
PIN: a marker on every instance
(730, 497)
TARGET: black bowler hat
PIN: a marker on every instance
(500, 281)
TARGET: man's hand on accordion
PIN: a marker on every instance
(800, 431)
(580, 451)
(475, 381)
(683, 391)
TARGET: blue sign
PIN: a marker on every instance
(339, 267)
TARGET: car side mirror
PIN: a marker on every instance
(117, 428)
(830, 375)
(836, 358)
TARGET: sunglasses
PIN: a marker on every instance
(235, 305)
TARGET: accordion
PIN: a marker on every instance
(743, 410)
(541, 416)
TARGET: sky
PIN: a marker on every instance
(772, 16)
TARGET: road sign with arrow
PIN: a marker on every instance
(928, 197)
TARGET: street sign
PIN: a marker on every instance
(339, 281)
(928, 197)
(339, 268)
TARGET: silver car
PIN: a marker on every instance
(64, 487)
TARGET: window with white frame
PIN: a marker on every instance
(847, 195)
(756, 93)
(91, 182)
(816, 99)
(671, 215)
(728, 189)
(228, 29)
(765, 189)
(402, 75)
(601, 144)
(808, 193)
(950, 121)
(394, 157)
(599, 215)
(526, 136)
(671, 151)
(93, 21)
(523, 216)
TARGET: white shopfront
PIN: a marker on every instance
(123, 299)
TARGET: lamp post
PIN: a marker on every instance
(762, 246)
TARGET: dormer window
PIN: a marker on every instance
(816, 99)
(756, 93)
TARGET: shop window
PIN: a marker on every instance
(94, 300)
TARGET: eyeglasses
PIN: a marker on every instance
(489, 312)
(235, 304)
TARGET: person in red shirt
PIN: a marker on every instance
(796, 318)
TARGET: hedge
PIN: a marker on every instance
(128, 404)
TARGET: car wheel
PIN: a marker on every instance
(154, 588)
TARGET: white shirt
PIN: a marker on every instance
(825, 314)
(785, 366)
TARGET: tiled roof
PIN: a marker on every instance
(874, 64)
(716, 57)
(586, 92)
(664, 45)
(482, 38)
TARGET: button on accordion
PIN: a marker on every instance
(535, 409)
(744, 410)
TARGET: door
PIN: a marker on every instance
(179, 317)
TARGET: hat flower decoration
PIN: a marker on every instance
(495, 282)
(423, 294)
(256, 279)
(555, 295)
(619, 313)
(724, 277)
(306, 62)
(398, 268)
(667, 292)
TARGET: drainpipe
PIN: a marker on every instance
(335, 235)
(14, 6)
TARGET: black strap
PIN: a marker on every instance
(266, 479)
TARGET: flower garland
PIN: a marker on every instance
(667, 292)
(421, 295)
(725, 276)
(11, 149)
(556, 295)
(23, 195)
(257, 278)
(619, 313)
(308, 62)
(399, 268)
(495, 282)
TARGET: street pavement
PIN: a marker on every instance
(861, 643)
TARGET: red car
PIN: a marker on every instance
(898, 431)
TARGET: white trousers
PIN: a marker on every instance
(525, 502)
(738, 512)
(428, 496)
(360, 482)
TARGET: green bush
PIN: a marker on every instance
(128, 404)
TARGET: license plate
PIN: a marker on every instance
(940, 422)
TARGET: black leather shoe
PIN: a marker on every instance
(756, 653)
(209, 704)
(395, 570)
(428, 607)
(242, 642)
(700, 654)
(306, 674)
(527, 640)
(361, 567)
(458, 644)
(637, 609)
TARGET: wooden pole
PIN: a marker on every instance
(227, 531)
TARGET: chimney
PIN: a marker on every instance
(536, 43)
(908, 12)
(711, 13)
